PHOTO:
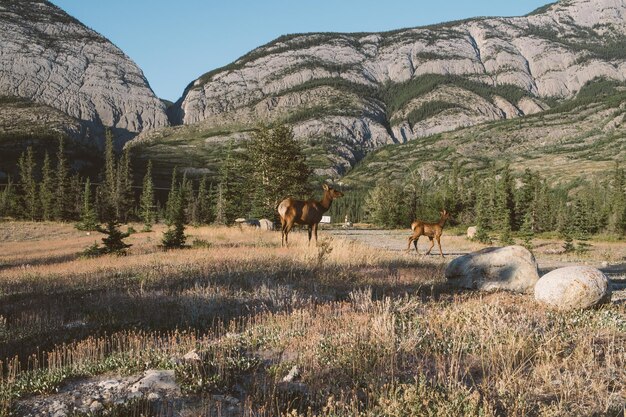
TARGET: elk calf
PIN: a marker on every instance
(432, 230)
(305, 212)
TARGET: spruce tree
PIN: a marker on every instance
(114, 239)
(8, 200)
(147, 207)
(124, 187)
(46, 189)
(88, 216)
(28, 185)
(174, 237)
(205, 202)
(220, 206)
(61, 191)
(108, 196)
(169, 205)
(276, 167)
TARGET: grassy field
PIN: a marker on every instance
(371, 332)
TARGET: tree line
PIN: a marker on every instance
(252, 180)
(257, 174)
(500, 203)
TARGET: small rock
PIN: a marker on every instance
(156, 380)
(153, 396)
(605, 264)
(573, 287)
(471, 232)
(293, 374)
(95, 406)
(192, 356)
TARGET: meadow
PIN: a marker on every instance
(359, 330)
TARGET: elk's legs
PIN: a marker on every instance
(439, 243)
(432, 244)
(413, 239)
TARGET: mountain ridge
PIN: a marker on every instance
(358, 92)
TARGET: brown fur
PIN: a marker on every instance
(305, 212)
(432, 230)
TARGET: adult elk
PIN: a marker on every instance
(305, 212)
(432, 230)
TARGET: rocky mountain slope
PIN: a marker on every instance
(347, 94)
(51, 59)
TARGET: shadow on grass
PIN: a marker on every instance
(37, 320)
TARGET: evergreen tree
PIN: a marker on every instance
(169, 205)
(384, 206)
(205, 202)
(28, 185)
(108, 198)
(124, 188)
(61, 198)
(276, 167)
(174, 237)
(75, 197)
(617, 202)
(46, 189)
(220, 206)
(8, 200)
(88, 216)
(114, 239)
(147, 207)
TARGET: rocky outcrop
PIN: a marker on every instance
(52, 59)
(488, 69)
(511, 268)
(573, 287)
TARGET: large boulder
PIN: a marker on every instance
(573, 287)
(471, 232)
(266, 224)
(511, 268)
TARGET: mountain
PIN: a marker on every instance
(348, 94)
(51, 60)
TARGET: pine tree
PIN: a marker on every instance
(124, 188)
(28, 184)
(114, 239)
(147, 207)
(107, 192)
(220, 206)
(169, 205)
(88, 216)
(205, 202)
(174, 237)
(483, 213)
(8, 200)
(61, 198)
(75, 197)
(46, 189)
(617, 202)
(276, 167)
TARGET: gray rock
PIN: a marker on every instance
(573, 287)
(156, 380)
(95, 406)
(266, 224)
(511, 268)
(471, 232)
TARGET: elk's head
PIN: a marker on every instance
(332, 193)
(445, 215)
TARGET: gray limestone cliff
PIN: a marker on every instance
(51, 59)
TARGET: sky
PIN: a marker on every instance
(175, 42)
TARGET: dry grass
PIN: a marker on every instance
(373, 332)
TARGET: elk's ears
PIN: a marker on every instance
(325, 187)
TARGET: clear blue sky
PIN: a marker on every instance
(174, 42)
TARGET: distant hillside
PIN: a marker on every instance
(348, 94)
